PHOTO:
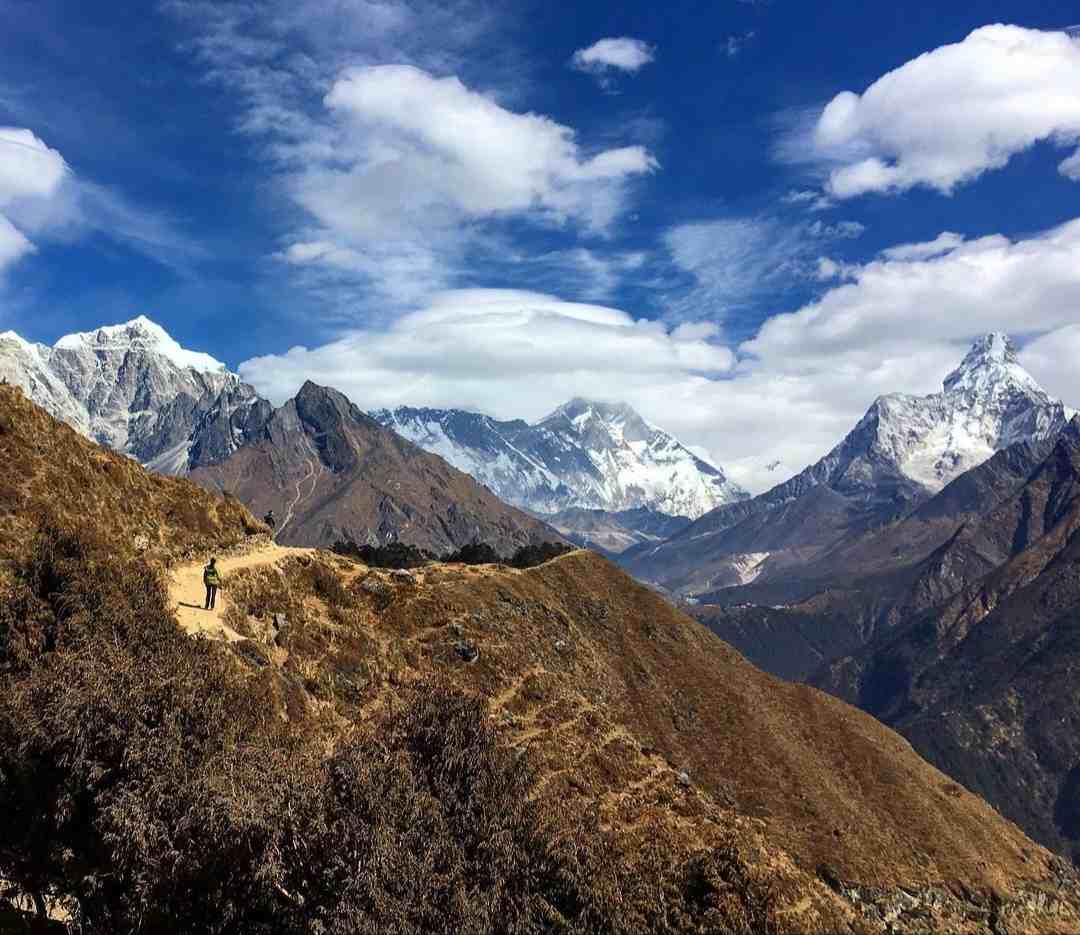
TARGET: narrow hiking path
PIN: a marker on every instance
(187, 593)
(313, 476)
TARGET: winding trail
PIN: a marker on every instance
(187, 593)
(312, 476)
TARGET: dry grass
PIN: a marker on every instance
(48, 469)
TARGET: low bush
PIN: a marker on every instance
(476, 553)
(392, 555)
(529, 556)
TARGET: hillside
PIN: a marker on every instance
(332, 473)
(625, 705)
(48, 469)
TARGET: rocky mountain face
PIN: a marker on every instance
(330, 472)
(983, 684)
(902, 452)
(132, 388)
(838, 601)
(585, 455)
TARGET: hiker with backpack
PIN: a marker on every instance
(212, 580)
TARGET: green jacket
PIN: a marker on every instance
(210, 576)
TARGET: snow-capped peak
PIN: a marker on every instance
(588, 454)
(989, 403)
(143, 334)
(992, 361)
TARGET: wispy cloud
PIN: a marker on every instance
(732, 261)
(733, 45)
(398, 172)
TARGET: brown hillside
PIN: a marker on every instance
(45, 466)
(589, 759)
(614, 694)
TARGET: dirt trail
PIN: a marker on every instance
(312, 475)
(187, 593)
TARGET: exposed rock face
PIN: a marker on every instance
(132, 388)
(332, 473)
(903, 451)
(585, 455)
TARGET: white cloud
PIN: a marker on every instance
(952, 114)
(510, 353)
(843, 230)
(621, 54)
(733, 45)
(1053, 357)
(13, 244)
(1070, 167)
(420, 163)
(400, 176)
(943, 243)
(418, 147)
(732, 260)
(30, 173)
(28, 168)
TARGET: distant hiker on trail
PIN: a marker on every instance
(270, 520)
(212, 580)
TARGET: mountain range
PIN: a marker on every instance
(902, 452)
(134, 389)
(925, 569)
(333, 473)
(585, 455)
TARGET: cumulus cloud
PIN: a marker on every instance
(422, 146)
(622, 54)
(948, 116)
(421, 163)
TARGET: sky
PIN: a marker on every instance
(746, 219)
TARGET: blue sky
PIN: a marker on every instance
(440, 204)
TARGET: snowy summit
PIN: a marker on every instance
(585, 454)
